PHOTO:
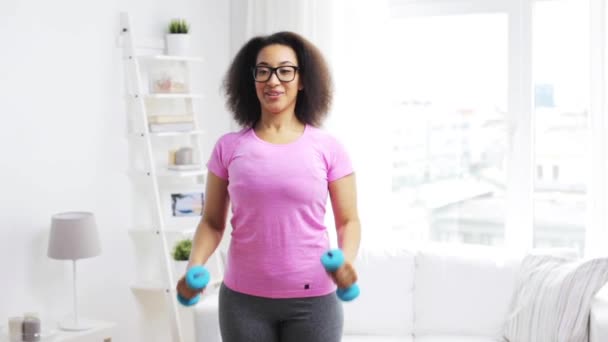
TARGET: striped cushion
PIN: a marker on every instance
(552, 299)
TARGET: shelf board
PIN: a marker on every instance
(177, 133)
(169, 58)
(157, 287)
(174, 96)
(186, 173)
(194, 132)
(183, 231)
(168, 174)
(168, 230)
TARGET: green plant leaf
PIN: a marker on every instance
(182, 249)
(179, 26)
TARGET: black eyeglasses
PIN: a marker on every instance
(285, 73)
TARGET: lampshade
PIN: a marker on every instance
(73, 236)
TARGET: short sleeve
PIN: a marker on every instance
(340, 164)
(219, 159)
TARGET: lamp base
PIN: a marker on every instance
(71, 325)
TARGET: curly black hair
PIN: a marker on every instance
(312, 102)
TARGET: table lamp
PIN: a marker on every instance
(74, 236)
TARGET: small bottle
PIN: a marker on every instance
(15, 329)
(183, 156)
(31, 327)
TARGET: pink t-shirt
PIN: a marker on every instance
(278, 194)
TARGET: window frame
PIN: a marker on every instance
(597, 194)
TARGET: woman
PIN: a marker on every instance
(277, 173)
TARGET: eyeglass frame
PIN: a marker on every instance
(274, 71)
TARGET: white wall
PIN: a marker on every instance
(63, 148)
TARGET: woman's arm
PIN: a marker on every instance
(343, 195)
(210, 229)
(213, 222)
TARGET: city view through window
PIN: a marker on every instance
(450, 126)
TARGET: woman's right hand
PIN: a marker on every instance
(186, 292)
(345, 276)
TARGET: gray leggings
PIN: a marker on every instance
(245, 318)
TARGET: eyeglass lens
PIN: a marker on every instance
(284, 73)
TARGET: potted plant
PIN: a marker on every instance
(178, 38)
(181, 255)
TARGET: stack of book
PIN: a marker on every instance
(171, 123)
(185, 167)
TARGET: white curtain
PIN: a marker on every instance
(360, 116)
(311, 18)
(351, 36)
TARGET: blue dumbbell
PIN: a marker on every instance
(197, 278)
(332, 260)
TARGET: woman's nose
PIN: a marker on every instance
(274, 78)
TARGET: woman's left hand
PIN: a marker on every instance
(344, 276)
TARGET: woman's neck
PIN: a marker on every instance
(279, 123)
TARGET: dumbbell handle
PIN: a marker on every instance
(197, 278)
(332, 260)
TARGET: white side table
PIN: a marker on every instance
(102, 332)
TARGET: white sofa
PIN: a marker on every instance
(439, 293)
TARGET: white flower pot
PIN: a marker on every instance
(178, 44)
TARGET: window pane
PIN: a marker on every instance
(448, 126)
(561, 82)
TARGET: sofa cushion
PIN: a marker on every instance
(598, 318)
(376, 338)
(553, 299)
(455, 338)
(463, 289)
(385, 304)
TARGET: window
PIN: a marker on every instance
(492, 112)
(560, 68)
(449, 130)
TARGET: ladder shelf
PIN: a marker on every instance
(155, 178)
